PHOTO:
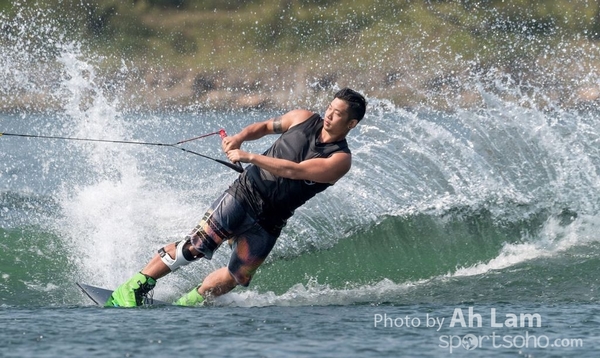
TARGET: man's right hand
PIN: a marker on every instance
(230, 143)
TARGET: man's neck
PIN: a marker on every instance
(327, 137)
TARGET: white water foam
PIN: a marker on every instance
(115, 219)
(313, 293)
(554, 239)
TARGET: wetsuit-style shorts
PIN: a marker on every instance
(225, 220)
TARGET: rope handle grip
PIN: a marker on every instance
(238, 165)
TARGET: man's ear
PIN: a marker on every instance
(353, 123)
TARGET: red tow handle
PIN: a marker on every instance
(223, 134)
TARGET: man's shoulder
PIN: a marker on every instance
(301, 113)
(297, 116)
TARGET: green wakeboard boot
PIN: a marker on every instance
(192, 298)
(133, 292)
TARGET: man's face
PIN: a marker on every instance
(336, 116)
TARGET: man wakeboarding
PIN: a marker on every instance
(310, 155)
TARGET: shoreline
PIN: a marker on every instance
(440, 55)
(407, 80)
(173, 91)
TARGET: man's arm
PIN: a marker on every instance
(321, 170)
(260, 129)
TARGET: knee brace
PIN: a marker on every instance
(183, 255)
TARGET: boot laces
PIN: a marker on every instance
(144, 294)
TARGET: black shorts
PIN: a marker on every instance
(225, 220)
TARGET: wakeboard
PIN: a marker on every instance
(100, 295)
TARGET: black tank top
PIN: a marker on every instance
(270, 199)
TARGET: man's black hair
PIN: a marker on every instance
(357, 105)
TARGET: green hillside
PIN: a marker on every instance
(410, 52)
